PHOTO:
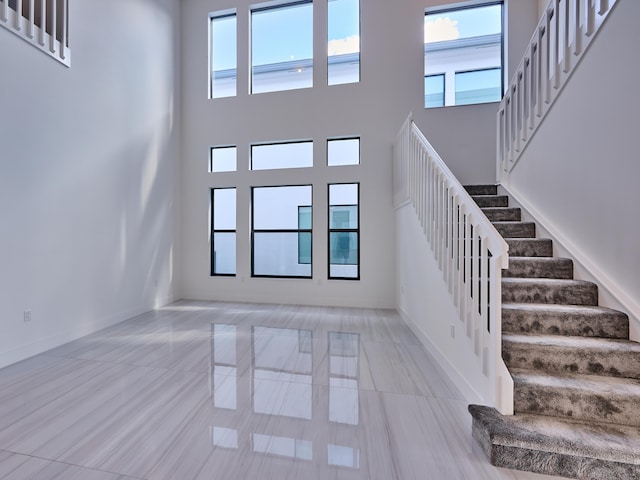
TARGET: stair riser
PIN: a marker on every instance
(576, 404)
(576, 325)
(516, 229)
(481, 189)
(557, 464)
(560, 268)
(531, 292)
(571, 359)
(503, 214)
(530, 247)
(492, 201)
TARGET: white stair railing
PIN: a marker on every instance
(561, 38)
(469, 250)
(42, 23)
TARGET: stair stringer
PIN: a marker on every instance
(609, 293)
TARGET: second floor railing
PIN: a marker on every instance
(42, 23)
(564, 33)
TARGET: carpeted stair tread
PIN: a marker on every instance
(576, 396)
(539, 267)
(503, 214)
(516, 229)
(491, 200)
(572, 320)
(579, 355)
(530, 247)
(555, 446)
(481, 189)
(549, 290)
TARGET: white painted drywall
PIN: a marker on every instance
(391, 87)
(88, 174)
(580, 171)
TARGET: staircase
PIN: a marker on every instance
(576, 373)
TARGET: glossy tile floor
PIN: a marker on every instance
(204, 390)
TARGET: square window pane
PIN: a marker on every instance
(343, 42)
(223, 159)
(276, 254)
(282, 47)
(343, 216)
(223, 56)
(343, 152)
(224, 209)
(282, 155)
(480, 86)
(224, 253)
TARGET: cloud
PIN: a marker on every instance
(344, 45)
(440, 30)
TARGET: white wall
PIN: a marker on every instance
(88, 174)
(391, 87)
(580, 171)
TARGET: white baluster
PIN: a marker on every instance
(32, 15)
(18, 23)
(54, 26)
(43, 22)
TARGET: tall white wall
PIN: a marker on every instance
(88, 174)
(580, 171)
(374, 109)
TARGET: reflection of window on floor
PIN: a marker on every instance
(457, 42)
(434, 90)
(277, 233)
(344, 41)
(222, 34)
(282, 155)
(223, 159)
(344, 243)
(282, 374)
(223, 231)
(282, 446)
(282, 47)
(344, 353)
(343, 151)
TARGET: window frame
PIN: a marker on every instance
(282, 230)
(285, 142)
(212, 272)
(264, 7)
(329, 57)
(444, 89)
(468, 6)
(461, 72)
(223, 14)
(339, 139)
(338, 230)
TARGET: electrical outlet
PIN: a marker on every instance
(26, 316)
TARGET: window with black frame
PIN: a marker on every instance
(344, 231)
(223, 231)
(281, 231)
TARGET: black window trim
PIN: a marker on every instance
(212, 272)
(347, 230)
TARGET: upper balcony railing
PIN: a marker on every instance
(42, 23)
(563, 35)
(469, 250)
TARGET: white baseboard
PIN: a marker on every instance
(467, 391)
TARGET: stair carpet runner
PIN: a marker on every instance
(576, 373)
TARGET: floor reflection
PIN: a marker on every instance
(311, 384)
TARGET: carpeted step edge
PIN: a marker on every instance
(513, 442)
(571, 320)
